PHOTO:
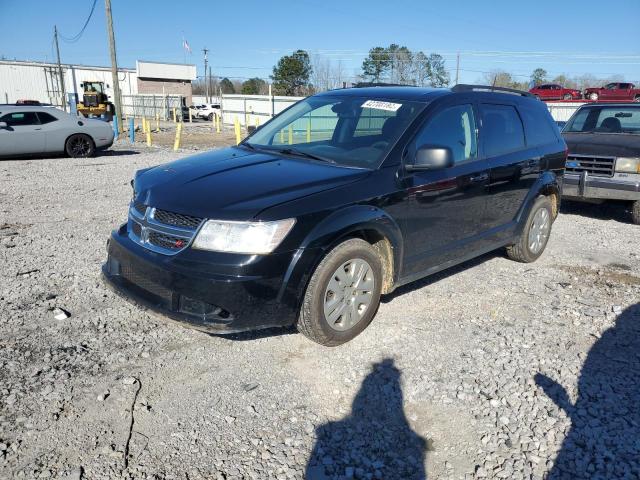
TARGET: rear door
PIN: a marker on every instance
(444, 206)
(514, 166)
(24, 133)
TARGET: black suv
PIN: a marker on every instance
(344, 196)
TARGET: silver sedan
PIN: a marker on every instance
(32, 130)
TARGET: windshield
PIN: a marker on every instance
(349, 131)
(616, 119)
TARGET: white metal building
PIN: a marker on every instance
(40, 80)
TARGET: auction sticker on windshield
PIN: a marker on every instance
(391, 107)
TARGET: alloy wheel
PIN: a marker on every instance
(539, 230)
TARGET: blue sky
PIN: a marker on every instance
(246, 38)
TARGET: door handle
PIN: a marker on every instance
(37, 128)
(479, 178)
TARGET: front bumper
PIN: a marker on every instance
(585, 186)
(209, 291)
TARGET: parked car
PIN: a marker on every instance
(553, 91)
(621, 92)
(33, 130)
(209, 110)
(368, 190)
(560, 124)
(604, 155)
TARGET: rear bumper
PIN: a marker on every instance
(584, 186)
(191, 290)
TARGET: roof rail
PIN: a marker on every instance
(462, 87)
(378, 84)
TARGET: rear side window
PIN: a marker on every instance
(502, 129)
(537, 124)
(46, 117)
(16, 119)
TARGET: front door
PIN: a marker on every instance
(444, 206)
(24, 133)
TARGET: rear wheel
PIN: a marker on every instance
(635, 212)
(535, 234)
(80, 146)
(567, 96)
(637, 98)
(343, 294)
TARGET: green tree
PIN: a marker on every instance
(227, 86)
(376, 65)
(291, 74)
(253, 86)
(438, 75)
(539, 76)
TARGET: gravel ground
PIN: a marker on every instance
(493, 369)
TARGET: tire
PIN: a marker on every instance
(567, 96)
(344, 320)
(535, 234)
(635, 212)
(538, 97)
(80, 146)
(210, 117)
(637, 99)
(594, 96)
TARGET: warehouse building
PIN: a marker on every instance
(23, 80)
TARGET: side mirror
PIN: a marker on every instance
(3, 124)
(431, 157)
(251, 129)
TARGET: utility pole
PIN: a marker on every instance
(206, 79)
(114, 65)
(60, 75)
(457, 67)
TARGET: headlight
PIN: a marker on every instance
(242, 237)
(628, 165)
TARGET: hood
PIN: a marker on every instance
(605, 144)
(236, 184)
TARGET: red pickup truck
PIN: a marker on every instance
(614, 92)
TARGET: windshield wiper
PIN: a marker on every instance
(300, 153)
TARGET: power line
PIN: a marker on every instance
(76, 37)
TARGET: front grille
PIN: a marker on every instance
(144, 283)
(595, 166)
(141, 208)
(137, 229)
(177, 219)
(168, 242)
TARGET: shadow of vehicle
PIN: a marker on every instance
(436, 277)
(375, 440)
(609, 210)
(604, 439)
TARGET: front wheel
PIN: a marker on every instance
(80, 146)
(343, 294)
(567, 96)
(535, 234)
(210, 117)
(593, 96)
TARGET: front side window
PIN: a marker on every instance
(46, 117)
(453, 127)
(345, 130)
(16, 119)
(501, 129)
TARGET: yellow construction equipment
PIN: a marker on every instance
(95, 102)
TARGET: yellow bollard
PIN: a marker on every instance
(290, 135)
(237, 129)
(309, 132)
(148, 137)
(176, 144)
(257, 122)
(281, 136)
(218, 122)
(175, 119)
(157, 122)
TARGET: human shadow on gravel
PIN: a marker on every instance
(604, 439)
(375, 441)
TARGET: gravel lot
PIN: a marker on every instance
(491, 370)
